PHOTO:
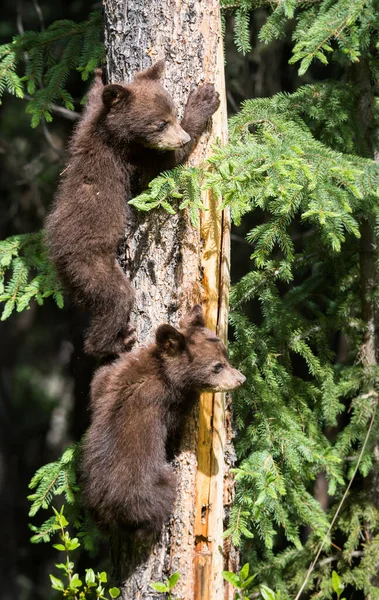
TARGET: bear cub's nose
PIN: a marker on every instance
(185, 138)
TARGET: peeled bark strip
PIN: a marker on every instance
(173, 266)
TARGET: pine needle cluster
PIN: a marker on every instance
(50, 56)
(306, 413)
(26, 273)
(56, 483)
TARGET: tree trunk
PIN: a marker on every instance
(173, 266)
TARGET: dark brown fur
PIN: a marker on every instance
(129, 133)
(138, 403)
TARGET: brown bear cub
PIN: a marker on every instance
(139, 403)
(129, 133)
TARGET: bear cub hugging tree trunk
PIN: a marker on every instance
(129, 133)
(139, 402)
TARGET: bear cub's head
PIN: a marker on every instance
(194, 357)
(142, 112)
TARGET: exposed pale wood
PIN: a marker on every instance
(172, 266)
(209, 510)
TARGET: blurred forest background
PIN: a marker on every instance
(44, 376)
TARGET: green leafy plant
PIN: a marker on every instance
(69, 583)
(56, 482)
(241, 581)
(167, 586)
(269, 594)
(338, 586)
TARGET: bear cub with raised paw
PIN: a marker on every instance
(139, 402)
(128, 134)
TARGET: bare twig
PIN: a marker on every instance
(20, 26)
(239, 239)
(231, 101)
(19, 23)
(326, 561)
(50, 140)
(40, 15)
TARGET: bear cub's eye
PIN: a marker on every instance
(218, 367)
(162, 125)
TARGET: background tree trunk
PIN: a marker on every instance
(173, 266)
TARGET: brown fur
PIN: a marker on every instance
(138, 403)
(129, 133)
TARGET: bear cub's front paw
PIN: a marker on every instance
(205, 100)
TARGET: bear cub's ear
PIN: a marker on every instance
(113, 93)
(194, 318)
(154, 72)
(169, 340)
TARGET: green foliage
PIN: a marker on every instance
(26, 273)
(337, 29)
(338, 587)
(49, 56)
(269, 594)
(296, 161)
(69, 584)
(245, 585)
(167, 587)
(335, 21)
(274, 163)
(53, 479)
(55, 483)
(303, 294)
(241, 581)
(182, 183)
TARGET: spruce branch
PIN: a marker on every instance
(49, 56)
(26, 273)
(374, 397)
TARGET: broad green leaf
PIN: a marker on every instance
(59, 547)
(173, 580)
(337, 584)
(232, 578)
(75, 581)
(90, 576)
(248, 581)
(267, 593)
(56, 583)
(244, 572)
(159, 587)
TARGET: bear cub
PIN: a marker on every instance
(139, 402)
(128, 134)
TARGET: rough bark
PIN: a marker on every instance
(172, 266)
